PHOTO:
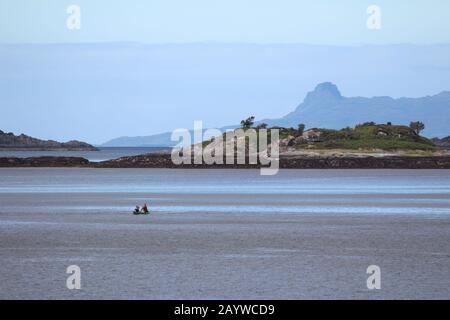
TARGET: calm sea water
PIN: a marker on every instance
(230, 234)
(228, 191)
(105, 153)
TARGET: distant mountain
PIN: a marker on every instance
(157, 140)
(155, 88)
(12, 142)
(444, 143)
(325, 107)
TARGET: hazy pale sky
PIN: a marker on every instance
(340, 22)
(248, 58)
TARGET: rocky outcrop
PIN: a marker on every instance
(365, 162)
(286, 162)
(10, 141)
(44, 162)
(292, 162)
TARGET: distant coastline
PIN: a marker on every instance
(104, 153)
(11, 142)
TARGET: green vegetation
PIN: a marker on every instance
(248, 123)
(368, 136)
(373, 136)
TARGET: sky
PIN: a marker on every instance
(338, 22)
(142, 67)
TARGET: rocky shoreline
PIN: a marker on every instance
(36, 162)
(286, 162)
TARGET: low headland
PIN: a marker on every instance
(11, 142)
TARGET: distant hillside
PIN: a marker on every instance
(325, 107)
(10, 141)
(155, 88)
(157, 140)
(444, 143)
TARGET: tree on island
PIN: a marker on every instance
(417, 126)
(248, 123)
(300, 129)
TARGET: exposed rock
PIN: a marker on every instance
(44, 162)
(164, 160)
(292, 162)
(312, 135)
(291, 141)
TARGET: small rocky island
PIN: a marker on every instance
(9, 141)
(366, 146)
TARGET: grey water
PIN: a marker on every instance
(418, 192)
(104, 153)
(224, 234)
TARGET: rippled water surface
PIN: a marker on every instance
(229, 191)
(231, 234)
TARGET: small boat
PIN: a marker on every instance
(140, 212)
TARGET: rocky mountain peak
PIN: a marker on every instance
(324, 91)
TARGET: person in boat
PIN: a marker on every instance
(137, 210)
(145, 209)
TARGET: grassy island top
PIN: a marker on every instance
(367, 136)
